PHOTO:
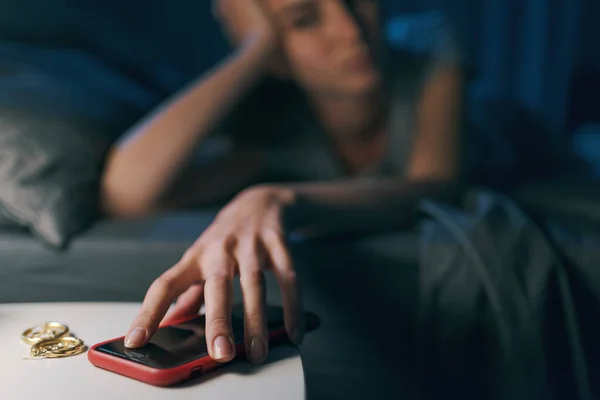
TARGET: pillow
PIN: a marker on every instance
(50, 169)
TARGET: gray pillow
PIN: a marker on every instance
(50, 168)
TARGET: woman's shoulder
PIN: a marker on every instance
(419, 45)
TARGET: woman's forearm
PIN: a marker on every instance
(322, 209)
(143, 166)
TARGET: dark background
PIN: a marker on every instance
(122, 57)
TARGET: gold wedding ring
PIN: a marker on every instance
(64, 346)
(44, 331)
(52, 340)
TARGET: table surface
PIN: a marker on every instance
(74, 377)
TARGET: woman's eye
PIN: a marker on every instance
(305, 21)
(357, 3)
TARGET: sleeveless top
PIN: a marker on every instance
(298, 149)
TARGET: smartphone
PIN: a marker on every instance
(177, 351)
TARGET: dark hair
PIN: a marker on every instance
(261, 109)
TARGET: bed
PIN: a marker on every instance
(365, 289)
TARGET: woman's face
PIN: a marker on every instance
(330, 46)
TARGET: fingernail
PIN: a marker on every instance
(135, 337)
(258, 351)
(223, 348)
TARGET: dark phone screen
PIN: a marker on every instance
(175, 345)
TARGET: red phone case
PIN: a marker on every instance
(167, 376)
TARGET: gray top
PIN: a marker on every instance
(306, 155)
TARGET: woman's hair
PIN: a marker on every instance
(261, 109)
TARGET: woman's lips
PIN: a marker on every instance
(359, 63)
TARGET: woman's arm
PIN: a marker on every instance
(247, 236)
(434, 171)
(216, 182)
(317, 210)
(145, 165)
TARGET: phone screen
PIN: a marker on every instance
(179, 344)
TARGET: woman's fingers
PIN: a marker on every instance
(158, 299)
(188, 304)
(286, 277)
(252, 282)
(218, 298)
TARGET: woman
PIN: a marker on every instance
(373, 134)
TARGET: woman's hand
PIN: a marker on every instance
(241, 19)
(246, 238)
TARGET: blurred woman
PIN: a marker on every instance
(350, 134)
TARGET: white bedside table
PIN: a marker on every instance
(75, 378)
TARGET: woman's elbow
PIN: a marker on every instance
(123, 201)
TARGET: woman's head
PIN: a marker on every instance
(329, 47)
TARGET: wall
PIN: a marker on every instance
(589, 49)
(523, 48)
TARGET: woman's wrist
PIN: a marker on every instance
(279, 195)
(285, 198)
(261, 45)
